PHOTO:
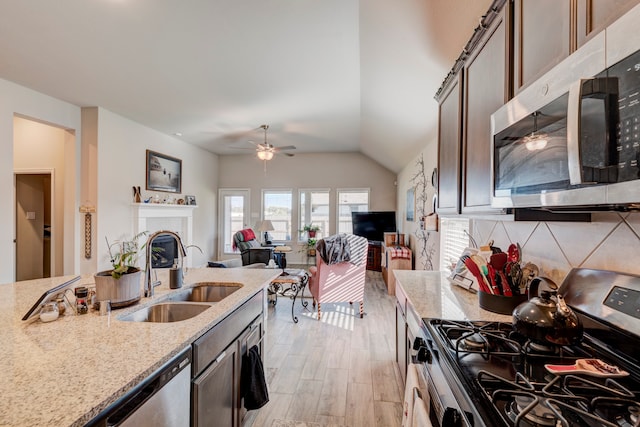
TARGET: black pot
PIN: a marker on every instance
(547, 319)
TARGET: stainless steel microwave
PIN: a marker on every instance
(571, 141)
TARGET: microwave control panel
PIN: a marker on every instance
(627, 145)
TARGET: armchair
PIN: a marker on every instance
(251, 251)
(340, 281)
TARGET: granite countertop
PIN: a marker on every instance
(432, 296)
(65, 372)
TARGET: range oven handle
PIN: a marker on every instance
(574, 112)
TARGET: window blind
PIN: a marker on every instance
(454, 238)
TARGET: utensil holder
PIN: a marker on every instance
(499, 303)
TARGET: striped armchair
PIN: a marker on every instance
(340, 281)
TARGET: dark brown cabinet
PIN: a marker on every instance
(449, 139)
(594, 15)
(542, 37)
(548, 31)
(487, 87)
(217, 363)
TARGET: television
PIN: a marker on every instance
(373, 225)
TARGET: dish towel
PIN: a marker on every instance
(412, 383)
(420, 413)
(253, 386)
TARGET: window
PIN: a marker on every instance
(454, 238)
(354, 200)
(276, 206)
(314, 210)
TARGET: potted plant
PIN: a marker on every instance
(311, 229)
(122, 284)
(311, 246)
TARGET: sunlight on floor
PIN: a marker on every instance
(340, 316)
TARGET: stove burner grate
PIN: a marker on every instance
(562, 402)
(485, 338)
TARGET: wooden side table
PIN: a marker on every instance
(395, 258)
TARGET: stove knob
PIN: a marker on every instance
(418, 342)
(424, 355)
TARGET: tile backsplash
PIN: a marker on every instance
(611, 241)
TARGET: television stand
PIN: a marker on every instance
(374, 256)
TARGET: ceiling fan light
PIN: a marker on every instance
(265, 154)
(535, 142)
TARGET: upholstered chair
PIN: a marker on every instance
(341, 281)
(250, 249)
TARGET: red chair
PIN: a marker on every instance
(341, 281)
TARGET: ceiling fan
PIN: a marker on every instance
(265, 151)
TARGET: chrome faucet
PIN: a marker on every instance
(149, 284)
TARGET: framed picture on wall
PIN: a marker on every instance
(164, 173)
(190, 200)
(411, 204)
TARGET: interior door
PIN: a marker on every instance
(234, 216)
(32, 240)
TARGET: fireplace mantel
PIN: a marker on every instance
(152, 217)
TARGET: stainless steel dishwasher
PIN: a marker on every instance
(162, 400)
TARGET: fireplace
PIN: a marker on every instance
(164, 250)
(153, 217)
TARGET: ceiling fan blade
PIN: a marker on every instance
(285, 154)
(286, 147)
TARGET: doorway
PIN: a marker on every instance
(233, 216)
(34, 202)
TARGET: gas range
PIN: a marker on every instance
(486, 374)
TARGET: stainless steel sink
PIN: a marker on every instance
(166, 312)
(206, 292)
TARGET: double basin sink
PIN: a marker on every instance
(185, 304)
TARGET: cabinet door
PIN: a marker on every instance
(483, 96)
(401, 339)
(449, 134)
(594, 15)
(215, 391)
(542, 37)
(252, 336)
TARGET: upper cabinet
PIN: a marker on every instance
(548, 31)
(487, 87)
(479, 84)
(516, 43)
(449, 139)
(594, 15)
(542, 30)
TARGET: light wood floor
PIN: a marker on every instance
(339, 371)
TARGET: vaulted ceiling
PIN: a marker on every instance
(325, 75)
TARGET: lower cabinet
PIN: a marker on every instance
(217, 363)
(403, 349)
(401, 339)
(215, 391)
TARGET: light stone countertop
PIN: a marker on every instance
(432, 296)
(65, 372)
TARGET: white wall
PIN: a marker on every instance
(15, 99)
(425, 245)
(121, 156)
(306, 171)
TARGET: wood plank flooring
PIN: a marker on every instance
(339, 371)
